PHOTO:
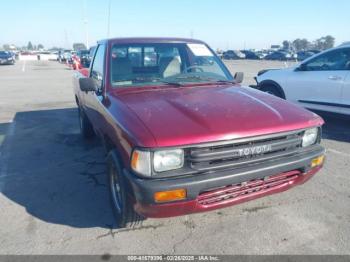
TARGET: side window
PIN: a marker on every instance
(97, 70)
(333, 60)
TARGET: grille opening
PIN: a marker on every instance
(232, 192)
(230, 155)
(219, 161)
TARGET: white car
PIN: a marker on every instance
(321, 82)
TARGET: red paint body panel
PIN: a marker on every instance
(193, 115)
(193, 206)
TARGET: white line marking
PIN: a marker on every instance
(337, 152)
(24, 66)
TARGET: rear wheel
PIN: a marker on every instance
(122, 208)
(86, 128)
(272, 90)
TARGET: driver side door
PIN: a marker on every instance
(93, 100)
(318, 83)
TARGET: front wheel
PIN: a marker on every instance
(272, 90)
(122, 208)
(86, 128)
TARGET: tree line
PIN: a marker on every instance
(29, 47)
(33, 47)
(299, 44)
(303, 44)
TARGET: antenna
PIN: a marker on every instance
(109, 19)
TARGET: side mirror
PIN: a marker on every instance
(87, 84)
(239, 76)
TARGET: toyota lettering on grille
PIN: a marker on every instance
(252, 151)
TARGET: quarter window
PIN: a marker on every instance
(97, 71)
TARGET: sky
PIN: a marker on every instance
(225, 24)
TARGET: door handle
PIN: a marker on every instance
(334, 78)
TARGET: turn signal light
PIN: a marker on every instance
(168, 196)
(135, 159)
(317, 161)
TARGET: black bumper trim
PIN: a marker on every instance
(144, 189)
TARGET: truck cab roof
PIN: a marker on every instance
(137, 40)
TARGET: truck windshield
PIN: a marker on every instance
(177, 63)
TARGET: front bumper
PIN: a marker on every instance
(299, 166)
(6, 61)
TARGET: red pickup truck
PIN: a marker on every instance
(183, 136)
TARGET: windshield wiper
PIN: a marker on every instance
(225, 82)
(171, 83)
(161, 81)
(211, 80)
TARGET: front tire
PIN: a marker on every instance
(272, 90)
(122, 208)
(86, 128)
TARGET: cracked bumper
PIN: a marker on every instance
(195, 206)
(222, 188)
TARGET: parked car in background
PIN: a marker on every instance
(252, 55)
(47, 55)
(315, 51)
(262, 54)
(220, 54)
(81, 59)
(278, 55)
(64, 55)
(6, 58)
(13, 54)
(302, 55)
(321, 82)
(183, 136)
(233, 54)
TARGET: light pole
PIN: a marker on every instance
(86, 25)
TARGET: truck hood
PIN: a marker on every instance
(183, 116)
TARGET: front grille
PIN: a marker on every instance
(247, 190)
(244, 152)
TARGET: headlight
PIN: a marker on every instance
(310, 137)
(166, 160)
(163, 160)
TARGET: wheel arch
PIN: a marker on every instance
(114, 155)
(273, 83)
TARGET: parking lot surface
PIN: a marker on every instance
(53, 195)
